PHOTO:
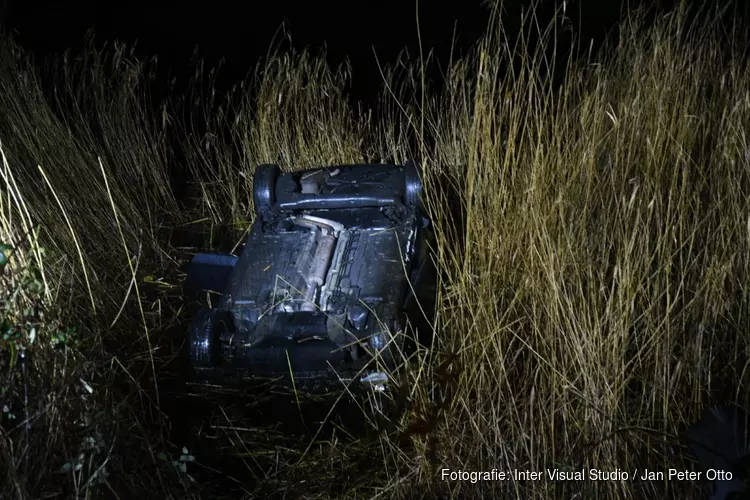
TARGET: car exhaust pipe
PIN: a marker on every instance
(322, 258)
(318, 270)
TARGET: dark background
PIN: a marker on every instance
(240, 32)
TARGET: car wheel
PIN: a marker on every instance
(264, 187)
(204, 337)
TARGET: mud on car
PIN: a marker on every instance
(334, 268)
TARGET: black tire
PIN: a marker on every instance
(264, 188)
(412, 185)
(204, 337)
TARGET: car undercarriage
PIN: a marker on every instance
(335, 268)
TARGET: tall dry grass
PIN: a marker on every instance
(598, 301)
(85, 189)
(593, 289)
(291, 111)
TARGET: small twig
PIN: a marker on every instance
(130, 286)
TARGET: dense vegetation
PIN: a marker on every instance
(592, 303)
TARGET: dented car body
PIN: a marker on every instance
(335, 267)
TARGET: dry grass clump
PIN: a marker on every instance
(85, 188)
(598, 302)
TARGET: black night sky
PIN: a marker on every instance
(241, 32)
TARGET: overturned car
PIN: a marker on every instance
(336, 278)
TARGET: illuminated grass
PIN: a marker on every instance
(593, 294)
